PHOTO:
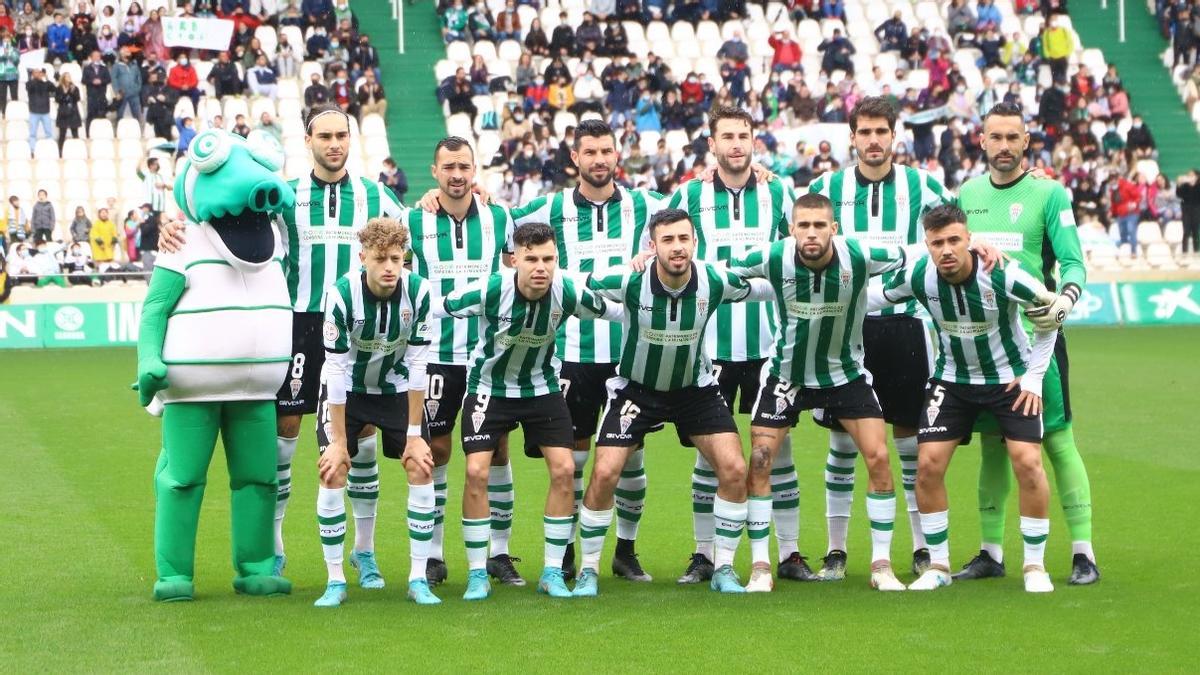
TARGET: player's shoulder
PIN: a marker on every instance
(416, 281)
(342, 287)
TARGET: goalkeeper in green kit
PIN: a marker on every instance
(1030, 220)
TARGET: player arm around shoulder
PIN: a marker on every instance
(1028, 292)
(334, 463)
(1064, 241)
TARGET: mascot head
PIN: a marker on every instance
(231, 184)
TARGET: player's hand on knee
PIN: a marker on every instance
(417, 455)
(170, 237)
(334, 462)
(1027, 401)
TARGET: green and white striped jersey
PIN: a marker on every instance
(514, 356)
(664, 331)
(452, 254)
(592, 238)
(883, 213)
(728, 224)
(321, 232)
(154, 186)
(819, 343)
(374, 333)
(979, 321)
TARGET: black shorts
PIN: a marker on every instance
(634, 410)
(897, 354)
(444, 394)
(780, 404)
(951, 409)
(743, 376)
(545, 421)
(387, 412)
(583, 385)
(302, 386)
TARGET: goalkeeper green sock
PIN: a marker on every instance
(995, 484)
(1071, 479)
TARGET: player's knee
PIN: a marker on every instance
(930, 468)
(477, 477)
(876, 459)
(287, 426)
(760, 460)
(562, 471)
(418, 474)
(731, 471)
(605, 474)
(1028, 468)
(439, 447)
(336, 481)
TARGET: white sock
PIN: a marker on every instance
(630, 495)
(994, 550)
(420, 528)
(785, 504)
(331, 525)
(839, 487)
(758, 528)
(439, 512)
(729, 519)
(936, 529)
(475, 537)
(1034, 532)
(1084, 547)
(363, 489)
(881, 510)
(580, 459)
(704, 491)
(556, 530)
(285, 450)
(500, 501)
(593, 525)
(907, 449)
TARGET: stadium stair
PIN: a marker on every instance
(1140, 65)
(414, 118)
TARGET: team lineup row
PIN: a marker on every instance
(747, 297)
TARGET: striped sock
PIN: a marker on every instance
(881, 510)
(936, 530)
(1034, 532)
(729, 519)
(285, 449)
(556, 529)
(704, 491)
(907, 449)
(420, 528)
(839, 487)
(363, 489)
(331, 525)
(785, 504)
(439, 513)
(631, 495)
(500, 501)
(475, 536)
(580, 458)
(758, 528)
(593, 525)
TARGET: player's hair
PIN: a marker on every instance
(668, 217)
(532, 234)
(383, 233)
(453, 144)
(322, 109)
(725, 112)
(1004, 109)
(593, 129)
(812, 200)
(873, 106)
(942, 216)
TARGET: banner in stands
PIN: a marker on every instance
(114, 324)
(201, 33)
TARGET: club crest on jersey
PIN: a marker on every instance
(931, 413)
(477, 420)
(294, 384)
(989, 300)
(405, 315)
(780, 405)
(555, 316)
(625, 422)
(701, 306)
(847, 277)
(1014, 212)
(431, 408)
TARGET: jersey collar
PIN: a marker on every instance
(657, 288)
(584, 202)
(718, 184)
(1007, 185)
(322, 184)
(833, 261)
(863, 181)
(472, 210)
(396, 294)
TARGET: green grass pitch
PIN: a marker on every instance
(78, 566)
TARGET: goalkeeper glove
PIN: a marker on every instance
(1050, 316)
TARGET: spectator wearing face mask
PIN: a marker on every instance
(1139, 140)
(182, 79)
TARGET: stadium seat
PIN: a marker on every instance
(46, 170)
(16, 129)
(76, 168)
(1173, 235)
(308, 69)
(267, 38)
(1103, 257)
(1159, 256)
(1148, 168)
(259, 106)
(1149, 232)
(459, 52)
(127, 128)
(17, 109)
(373, 126)
(45, 149)
(102, 148)
(562, 120)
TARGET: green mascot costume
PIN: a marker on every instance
(215, 343)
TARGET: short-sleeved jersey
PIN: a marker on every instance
(979, 322)
(1030, 220)
(452, 254)
(514, 356)
(593, 238)
(663, 348)
(819, 343)
(728, 224)
(321, 232)
(886, 212)
(375, 332)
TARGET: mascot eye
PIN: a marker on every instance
(265, 149)
(209, 150)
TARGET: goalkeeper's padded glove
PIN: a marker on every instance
(1049, 317)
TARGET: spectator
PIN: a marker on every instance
(366, 55)
(1118, 102)
(527, 162)
(536, 42)
(83, 43)
(589, 36)
(1129, 200)
(262, 79)
(27, 18)
(480, 79)
(525, 72)
(393, 177)
(960, 18)
(67, 97)
(317, 46)
(152, 36)
(371, 99)
(691, 91)
(537, 95)
(135, 15)
(833, 9)
(892, 34)
(315, 93)
(183, 80)
(1057, 46)
(268, 124)
(987, 16)
(460, 95)
(156, 97)
(224, 77)
(96, 79)
(561, 95)
(990, 47)
(130, 234)
(341, 93)
(287, 63)
(1052, 108)
(787, 52)
(1139, 140)
(10, 58)
(43, 220)
(482, 26)
(736, 49)
(736, 79)
(616, 40)
(562, 40)
(556, 69)
(837, 51)
(1188, 191)
(154, 187)
(108, 17)
(148, 239)
(127, 86)
(589, 93)
(1166, 204)
(187, 131)
(646, 114)
(81, 227)
(508, 22)
(6, 20)
(58, 40)
(18, 226)
(103, 239)
(240, 127)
